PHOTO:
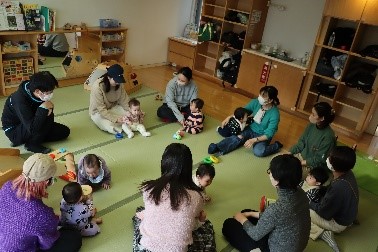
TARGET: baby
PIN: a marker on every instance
(133, 120)
(313, 182)
(235, 124)
(93, 171)
(204, 177)
(77, 210)
(194, 122)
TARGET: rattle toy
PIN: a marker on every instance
(118, 135)
(178, 135)
(211, 160)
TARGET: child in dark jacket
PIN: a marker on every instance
(236, 124)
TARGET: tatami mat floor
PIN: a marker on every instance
(239, 183)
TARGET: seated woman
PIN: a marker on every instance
(55, 45)
(173, 218)
(284, 225)
(180, 91)
(260, 132)
(338, 208)
(26, 223)
(318, 139)
(109, 101)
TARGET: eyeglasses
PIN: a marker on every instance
(268, 171)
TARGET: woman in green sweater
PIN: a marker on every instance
(316, 142)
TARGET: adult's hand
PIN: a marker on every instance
(225, 121)
(48, 105)
(249, 143)
(240, 217)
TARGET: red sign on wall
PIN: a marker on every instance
(264, 73)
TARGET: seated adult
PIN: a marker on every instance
(55, 45)
(180, 91)
(318, 139)
(26, 223)
(338, 208)
(260, 132)
(173, 218)
(284, 225)
(28, 114)
(108, 100)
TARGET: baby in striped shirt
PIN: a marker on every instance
(194, 122)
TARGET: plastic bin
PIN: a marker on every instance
(109, 23)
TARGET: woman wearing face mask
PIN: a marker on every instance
(180, 90)
(28, 116)
(318, 139)
(109, 101)
(26, 223)
(284, 225)
(338, 208)
(260, 132)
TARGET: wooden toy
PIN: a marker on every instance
(58, 154)
(11, 164)
(70, 175)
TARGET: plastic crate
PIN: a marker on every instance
(109, 23)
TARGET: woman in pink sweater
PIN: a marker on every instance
(172, 218)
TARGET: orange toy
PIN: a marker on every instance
(70, 175)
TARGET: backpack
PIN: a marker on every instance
(230, 69)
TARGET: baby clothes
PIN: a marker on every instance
(134, 123)
(194, 123)
(78, 216)
(312, 192)
(233, 128)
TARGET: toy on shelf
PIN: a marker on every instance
(211, 160)
(178, 135)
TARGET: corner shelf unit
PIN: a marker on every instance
(215, 11)
(353, 106)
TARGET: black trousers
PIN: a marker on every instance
(50, 132)
(165, 112)
(50, 52)
(70, 240)
(235, 234)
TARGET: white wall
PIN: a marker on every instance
(150, 22)
(295, 28)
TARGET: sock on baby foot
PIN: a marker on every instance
(130, 135)
(327, 236)
(146, 134)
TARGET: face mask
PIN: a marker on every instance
(261, 100)
(312, 119)
(45, 97)
(329, 165)
(181, 83)
(97, 179)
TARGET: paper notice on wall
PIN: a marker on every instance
(255, 17)
(3, 19)
(264, 73)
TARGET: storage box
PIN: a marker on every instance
(17, 70)
(109, 23)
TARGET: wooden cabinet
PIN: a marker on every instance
(113, 44)
(17, 66)
(218, 12)
(250, 71)
(181, 52)
(347, 9)
(353, 106)
(286, 77)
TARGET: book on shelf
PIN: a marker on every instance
(11, 17)
(32, 16)
(48, 18)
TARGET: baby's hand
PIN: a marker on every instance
(202, 216)
(140, 215)
(105, 186)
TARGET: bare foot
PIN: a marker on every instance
(97, 220)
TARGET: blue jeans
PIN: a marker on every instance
(260, 149)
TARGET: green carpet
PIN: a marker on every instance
(366, 172)
(239, 183)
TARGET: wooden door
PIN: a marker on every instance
(249, 77)
(345, 9)
(288, 80)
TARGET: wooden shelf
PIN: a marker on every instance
(235, 23)
(345, 123)
(206, 71)
(240, 11)
(323, 77)
(19, 52)
(113, 54)
(351, 103)
(213, 17)
(323, 96)
(111, 41)
(215, 5)
(210, 56)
